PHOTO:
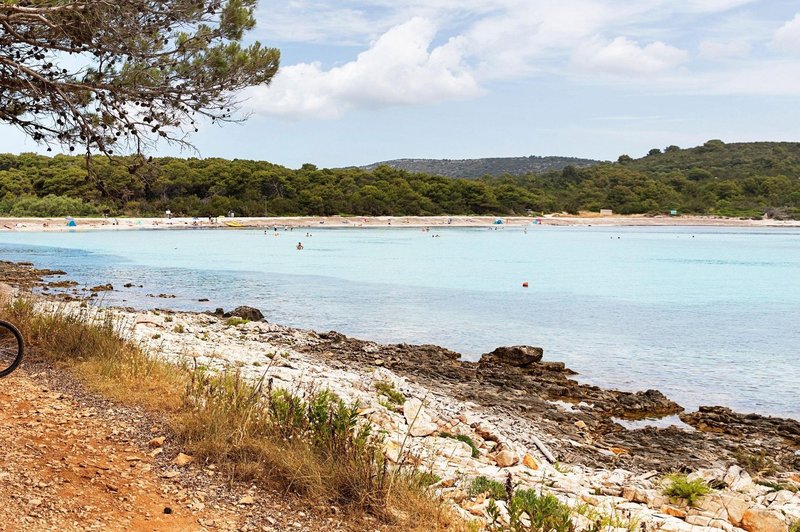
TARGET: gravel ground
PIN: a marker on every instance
(73, 461)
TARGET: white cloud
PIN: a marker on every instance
(428, 51)
(711, 6)
(787, 38)
(768, 78)
(349, 21)
(400, 68)
(724, 49)
(624, 57)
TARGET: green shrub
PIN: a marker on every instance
(47, 206)
(545, 512)
(387, 389)
(494, 489)
(234, 321)
(680, 487)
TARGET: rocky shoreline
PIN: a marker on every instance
(525, 416)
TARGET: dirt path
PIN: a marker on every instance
(72, 462)
(65, 466)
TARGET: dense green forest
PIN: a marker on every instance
(744, 180)
(476, 168)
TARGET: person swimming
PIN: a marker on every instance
(299, 246)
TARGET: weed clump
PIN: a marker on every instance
(387, 390)
(543, 511)
(528, 510)
(495, 490)
(680, 487)
(314, 445)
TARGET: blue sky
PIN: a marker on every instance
(369, 80)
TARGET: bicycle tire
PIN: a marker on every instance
(9, 331)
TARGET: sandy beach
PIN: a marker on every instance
(586, 220)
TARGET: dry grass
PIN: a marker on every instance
(310, 444)
(91, 345)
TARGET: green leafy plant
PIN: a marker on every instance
(544, 511)
(235, 322)
(387, 390)
(494, 489)
(678, 486)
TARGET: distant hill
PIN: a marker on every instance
(723, 161)
(475, 168)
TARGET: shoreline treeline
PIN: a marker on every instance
(739, 180)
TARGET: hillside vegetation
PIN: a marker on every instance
(475, 168)
(743, 180)
(725, 161)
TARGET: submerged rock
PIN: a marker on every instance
(102, 288)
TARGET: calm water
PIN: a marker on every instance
(709, 316)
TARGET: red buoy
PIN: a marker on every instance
(525, 284)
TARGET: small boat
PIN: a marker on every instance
(234, 224)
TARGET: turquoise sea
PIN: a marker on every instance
(707, 315)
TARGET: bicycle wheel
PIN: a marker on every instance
(11, 348)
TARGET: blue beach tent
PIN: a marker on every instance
(71, 222)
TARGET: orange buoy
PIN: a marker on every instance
(525, 284)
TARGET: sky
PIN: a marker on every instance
(370, 80)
